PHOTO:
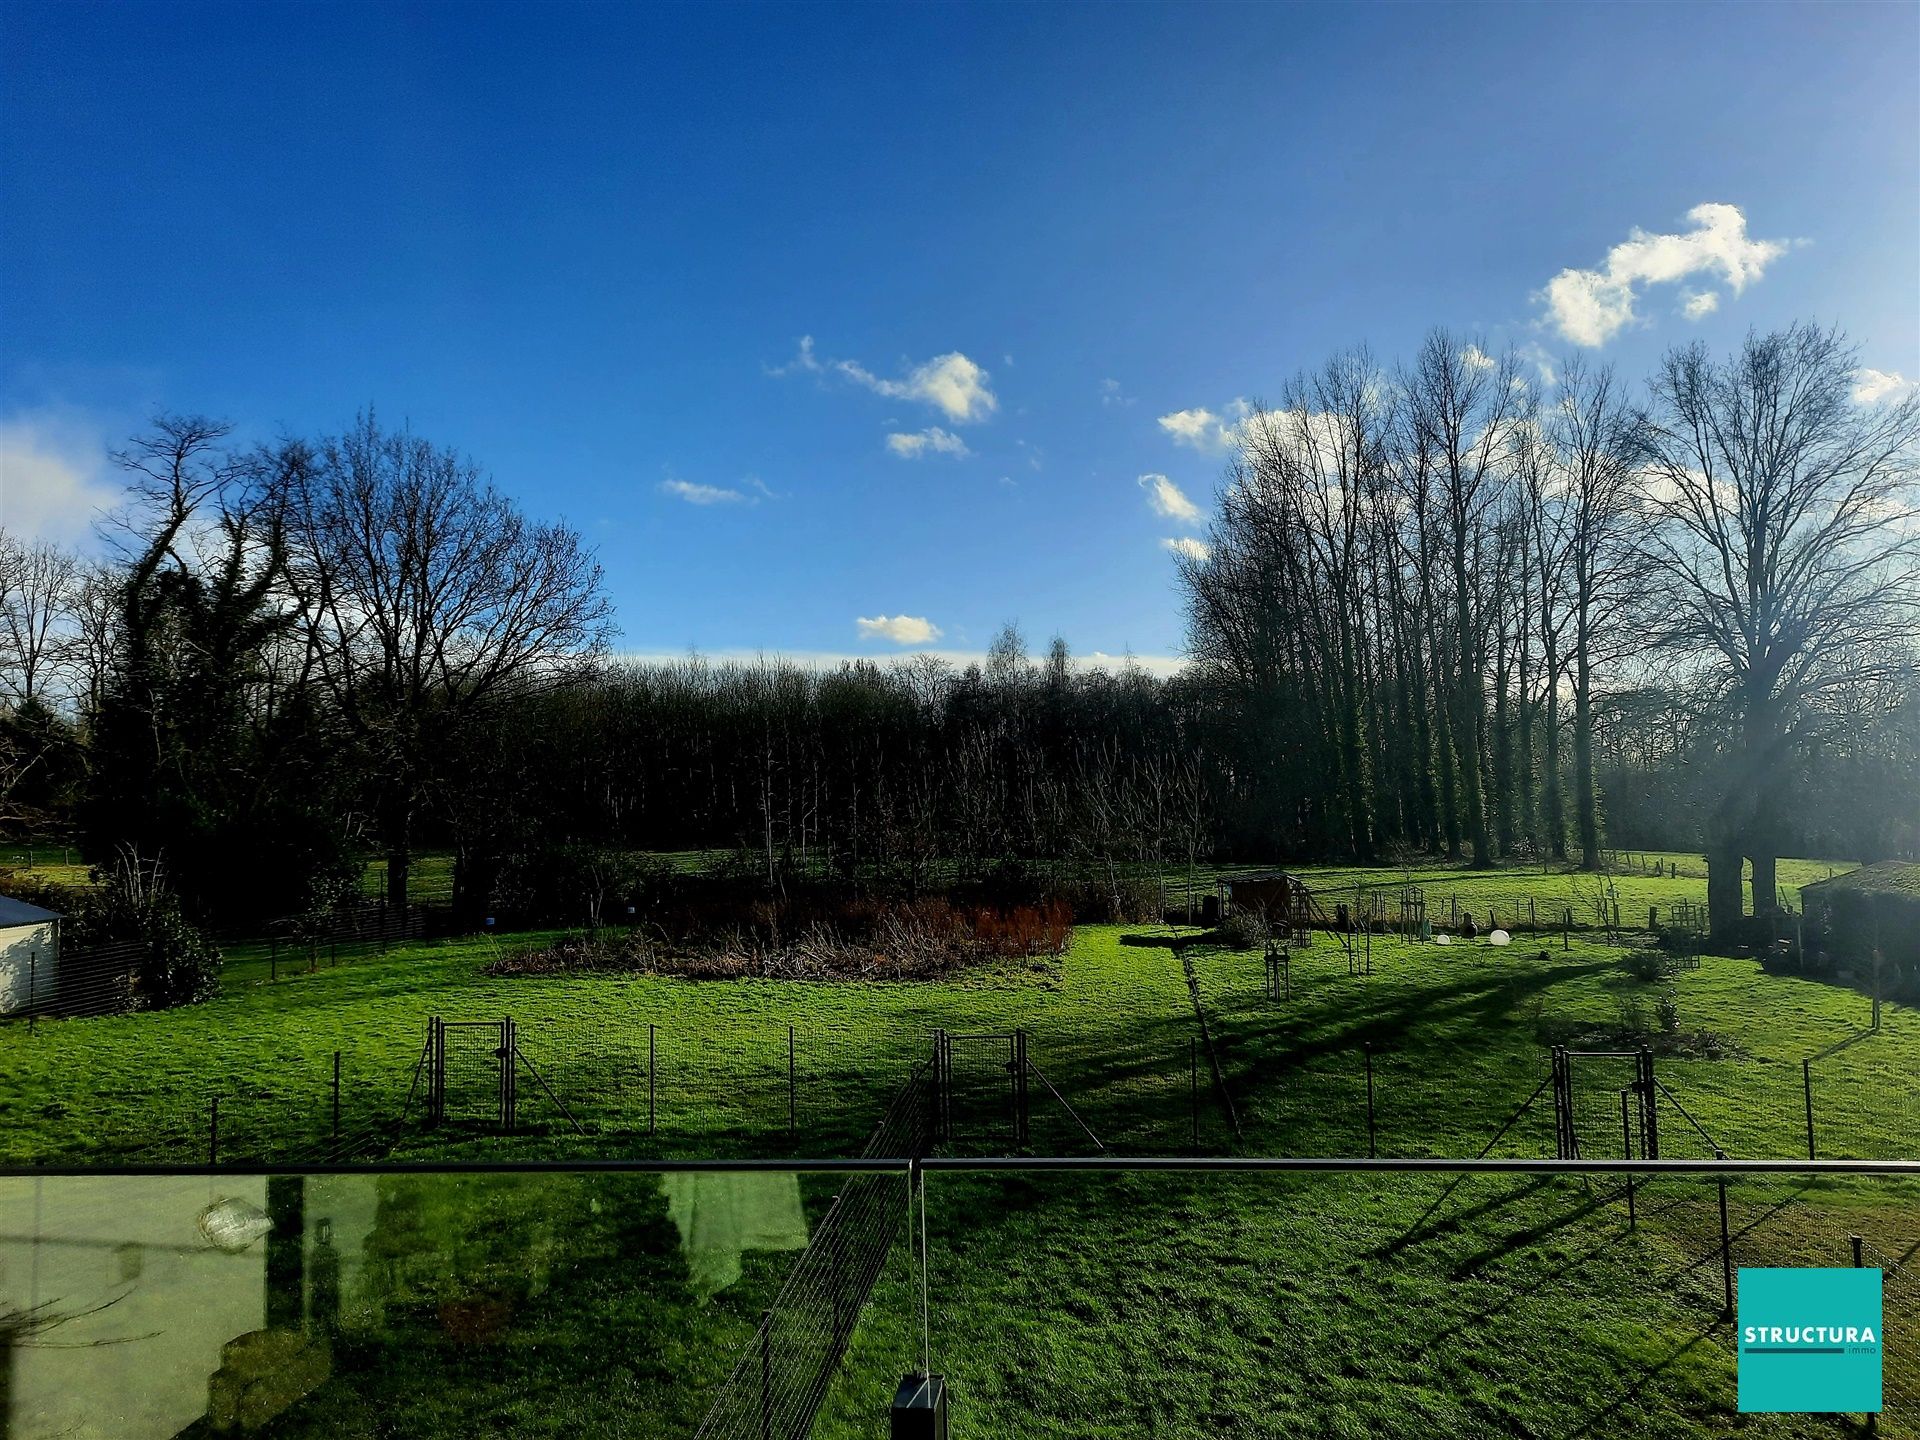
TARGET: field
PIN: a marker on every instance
(1086, 1305)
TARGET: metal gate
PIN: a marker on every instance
(470, 1073)
(981, 1088)
(1605, 1107)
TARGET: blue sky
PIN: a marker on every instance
(584, 244)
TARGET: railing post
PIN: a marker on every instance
(1806, 1089)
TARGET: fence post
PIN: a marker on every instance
(1626, 1150)
(1806, 1088)
(213, 1132)
(336, 1097)
(793, 1112)
(1653, 917)
(1566, 929)
(509, 1043)
(1726, 1245)
(766, 1375)
(836, 1278)
(652, 1032)
(1020, 1112)
(1367, 1050)
(437, 1079)
(1193, 1089)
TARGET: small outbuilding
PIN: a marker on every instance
(29, 956)
(1869, 911)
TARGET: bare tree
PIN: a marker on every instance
(425, 595)
(1596, 438)
(38, 582)
(1462, 405)
(1788, 547)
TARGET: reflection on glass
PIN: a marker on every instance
(721, 1216)
(395, 1305)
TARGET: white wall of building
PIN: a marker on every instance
(29, 965)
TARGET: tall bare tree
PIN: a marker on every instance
(1788, 546)
(1462, 403)
(425, 595)
(1596, 438)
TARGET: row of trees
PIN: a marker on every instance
(1425, 586)
(1445, 610)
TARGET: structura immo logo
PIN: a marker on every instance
(1809, 1340)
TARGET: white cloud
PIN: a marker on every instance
(53, 479)
(1168, 500)
(1589, 307)
(1477, 359)
(899, 629)
(1698, 304)
(695, 494)
(1198, 427)
(1188, 546)
(1111, 394)
(930, 441)
(1204, 430)
(1871, 386)
(951, 383)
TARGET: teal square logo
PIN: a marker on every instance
(1809, 1340)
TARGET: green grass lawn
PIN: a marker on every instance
(1164, 1304)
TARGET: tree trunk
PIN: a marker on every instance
(1765, 886)
(399, 858)
(1556, 817)
(1586, 809)
(1723, 888)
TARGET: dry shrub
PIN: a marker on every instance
(912, 940)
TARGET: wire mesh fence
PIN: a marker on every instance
(626, 1086)
(777, 1385)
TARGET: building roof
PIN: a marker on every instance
(18, 912)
